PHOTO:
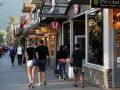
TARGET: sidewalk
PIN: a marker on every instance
(15, 78)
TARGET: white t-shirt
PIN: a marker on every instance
(19, 50)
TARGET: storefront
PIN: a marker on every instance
(98, 34)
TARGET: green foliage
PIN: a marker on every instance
(16, 42)
(14, 20)
(1, 37)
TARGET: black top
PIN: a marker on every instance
(30, 52)
(61, 54)
(42, 52)
(77, 58)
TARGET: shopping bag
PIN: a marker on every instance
(70, 72)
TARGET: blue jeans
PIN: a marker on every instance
(61, 69)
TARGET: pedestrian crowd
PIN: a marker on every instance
(36, 56)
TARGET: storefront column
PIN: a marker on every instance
(71, 37)
(108, 38)
(49, 43)
(55, 44)
(108, 46)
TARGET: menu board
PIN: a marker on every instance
(105, 3)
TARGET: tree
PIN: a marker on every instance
(1, 37)
(14, 20)
(8, 39)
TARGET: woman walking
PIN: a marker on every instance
(61, 57)
(30, 64)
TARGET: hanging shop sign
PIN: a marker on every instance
(55, 25)
(105, 3)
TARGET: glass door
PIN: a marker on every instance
(116, 58)
(80, 39)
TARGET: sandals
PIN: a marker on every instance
(74, 85)
(31, 85)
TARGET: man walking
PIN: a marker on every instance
(19, 54)
(12, 53)
(41, 53)
(77, 65)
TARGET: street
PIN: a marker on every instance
(15, 78)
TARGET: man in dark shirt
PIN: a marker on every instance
(41, 53)
(77, 65)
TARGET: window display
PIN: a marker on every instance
(95, 37)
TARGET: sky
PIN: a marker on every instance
(9, 8)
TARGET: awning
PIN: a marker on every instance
(56, 10)
(80, 2)
(32, 25)
(46, 21)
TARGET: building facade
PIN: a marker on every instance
(95, 29)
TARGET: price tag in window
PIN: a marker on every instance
(118, 59)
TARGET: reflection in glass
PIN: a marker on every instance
(95, 37)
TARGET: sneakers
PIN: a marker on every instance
(39, 84)
(60, 77)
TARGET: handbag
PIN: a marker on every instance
(70, 72)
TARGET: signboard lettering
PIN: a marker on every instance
(55, 25)
(105, 3)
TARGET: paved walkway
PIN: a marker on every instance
(15, 78)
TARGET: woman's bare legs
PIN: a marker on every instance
(33, 74)
(29, 69)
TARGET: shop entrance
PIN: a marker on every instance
(81, 40)
(116, 58)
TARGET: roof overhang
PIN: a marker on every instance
(27, 9)
(38, 3)
(32, 25)
(54, 12)
(46, 21)
(53, 15)
(80, 2)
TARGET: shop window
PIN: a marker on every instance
(79, 27)
(95, 37)
(67, 36)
